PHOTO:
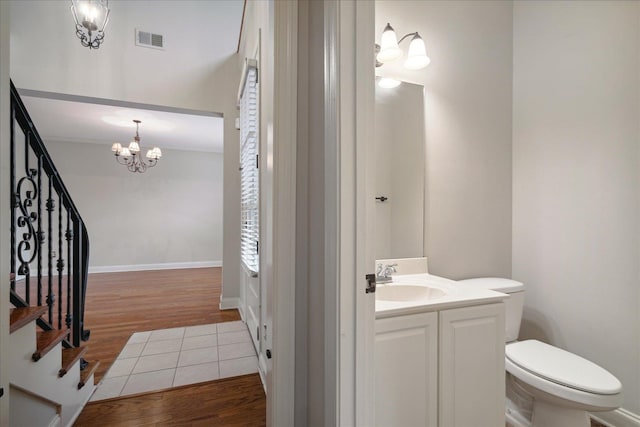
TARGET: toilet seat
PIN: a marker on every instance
(563, 374)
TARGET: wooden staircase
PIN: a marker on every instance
(49, 376)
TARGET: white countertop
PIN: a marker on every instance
(455, 296)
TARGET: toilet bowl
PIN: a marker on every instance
(553, 387)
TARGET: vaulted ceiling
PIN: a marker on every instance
(200, 38)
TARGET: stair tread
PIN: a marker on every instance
(69, 357)
(22, 316)
(46, 340)
(86, 373)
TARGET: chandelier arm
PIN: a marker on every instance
(118, 159)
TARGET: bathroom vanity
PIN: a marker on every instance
(439, 354)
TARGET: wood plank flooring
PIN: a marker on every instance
(229, 402)
(119, 304)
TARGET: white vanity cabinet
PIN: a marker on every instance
(406, 354)
(441, 368)
(471, 366)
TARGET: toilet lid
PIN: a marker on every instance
(498, 284)
(562, 367)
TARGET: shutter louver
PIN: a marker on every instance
(249, 178)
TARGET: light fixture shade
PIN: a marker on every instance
(134, 147)
(388, 82)
(154, 153)
(417, 57)
(389, 49)
(128, 156)
(91, 18)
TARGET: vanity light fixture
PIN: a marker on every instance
(389, 50)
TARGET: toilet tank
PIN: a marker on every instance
(513, 305)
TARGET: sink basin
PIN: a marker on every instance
(407, 293)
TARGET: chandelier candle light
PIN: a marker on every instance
(92, 17)
(130, 156)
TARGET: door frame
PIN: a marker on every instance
(5, 9)
(348, 311)
(280, 289)
(349, 113)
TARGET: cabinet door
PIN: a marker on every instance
(406, 378)
(472, 390)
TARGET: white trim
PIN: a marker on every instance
(262, 369)
(618, 418)
(248, 63)
(240, 309)
(159, 266)
(90, 380)
(349, 28)
(280, 378)
(55, 422)
(363, 93)
(338, 330)
(229, 303)
(5, 191)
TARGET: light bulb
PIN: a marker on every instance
(388, 83)
(389, 49)
(417, 57)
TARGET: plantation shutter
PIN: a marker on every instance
(249, 177)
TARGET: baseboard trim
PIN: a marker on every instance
(229, 303)
(86, 400)
(618, 418)
(160, 266)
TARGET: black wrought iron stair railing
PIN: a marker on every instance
(49, 240)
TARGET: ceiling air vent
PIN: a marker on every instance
(147, 39)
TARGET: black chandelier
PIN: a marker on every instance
(131, 157)
(92, 17)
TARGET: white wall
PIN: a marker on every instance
(187, 74)
(468, 129)
(172, 213)
(576, 214)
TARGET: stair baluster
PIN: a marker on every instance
(33, 233)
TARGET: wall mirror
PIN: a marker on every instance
(400, 171)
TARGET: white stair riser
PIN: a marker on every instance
(41, 377)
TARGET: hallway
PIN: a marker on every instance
(120, 304)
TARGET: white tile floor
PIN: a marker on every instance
(168, 358)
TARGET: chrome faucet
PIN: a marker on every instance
(383, 273)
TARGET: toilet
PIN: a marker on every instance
(547, 386)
